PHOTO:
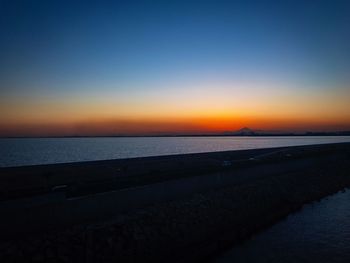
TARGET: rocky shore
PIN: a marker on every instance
(197, 226)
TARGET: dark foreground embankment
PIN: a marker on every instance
(246, 196)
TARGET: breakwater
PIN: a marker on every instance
(186, 209)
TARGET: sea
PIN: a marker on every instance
(320, 232)
(34, 151)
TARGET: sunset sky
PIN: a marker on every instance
(173, 67)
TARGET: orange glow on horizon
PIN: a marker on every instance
(191, 110)
(209, 125)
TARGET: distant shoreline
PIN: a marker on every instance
(345, 133)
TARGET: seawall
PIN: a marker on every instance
(174, 218)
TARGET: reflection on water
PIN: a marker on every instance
(28, 151)
(318, 233)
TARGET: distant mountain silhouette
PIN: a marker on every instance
(245, 131)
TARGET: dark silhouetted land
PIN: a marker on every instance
(169, 208)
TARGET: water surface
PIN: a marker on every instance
(30, 151)
(320, 232)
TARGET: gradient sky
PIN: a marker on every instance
(173, 67)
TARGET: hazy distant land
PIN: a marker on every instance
(241, 132)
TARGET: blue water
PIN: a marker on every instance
(30, 151)
(320, 232)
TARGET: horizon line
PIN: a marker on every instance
(254, 134)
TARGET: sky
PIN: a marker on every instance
(173, 67)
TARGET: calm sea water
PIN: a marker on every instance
(30, 151)
(318, 233)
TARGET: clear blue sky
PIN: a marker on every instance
(54, 50)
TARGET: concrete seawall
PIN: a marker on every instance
(84, 178)
(183, 218)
